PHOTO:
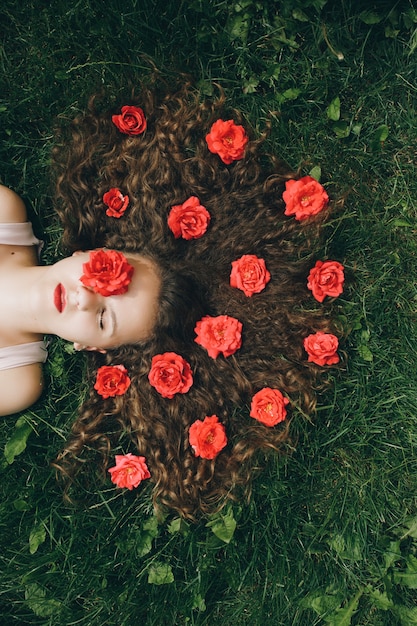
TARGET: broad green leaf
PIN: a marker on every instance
(365, 353)
(408, 616)
(299, 15)
(160, 574)
(178, 525)
(343, 617)
(410, 528)
(250, 85)
(199, 603)
(380, 599)
(409, 576)
(333, 110)
(223, 526)
(369, 17)
(18, 439)
(147, 534)
(325, 603)
(392, 553)
(315, 173)
(35, 597)
(37, 537)
(291, 94)
(379, 136)
(21, 505)
(239, 27)
(341, 129)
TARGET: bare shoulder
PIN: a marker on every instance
(12, 207)
(20, 387)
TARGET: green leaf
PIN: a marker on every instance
(21, 505)
(391, 554)
(407, 616)
(341, 129)
(223, 526)
(379, 136)
(239, 27)
(315, 173)
(343, 617)
(365, 353)
(369, 17)
(250, 85)
(160, 574)
(410, 528)
(147, 534)
(37, 537)
(35, 597)
(409, 576)
(17, 442)
(199, 603)
(299, 15)
(380, 599)
(178, 525)
(333, 110)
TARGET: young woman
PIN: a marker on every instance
(184, 181)
(63, 299)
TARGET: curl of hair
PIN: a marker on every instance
(161, 168)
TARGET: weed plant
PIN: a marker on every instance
(330, 535)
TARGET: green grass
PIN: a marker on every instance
(330, 535)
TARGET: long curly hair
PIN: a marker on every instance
(163, 167)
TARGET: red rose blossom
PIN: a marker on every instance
(221, 334)
(107, 272)
(326, 279)
(116, 202)
(129, 470)
(189, 220)
(228, 140)
(170, 374)
(249, 274)
(268, 406)
(304, 197)
(131, 121)
(207, 437)
(112, 380)
(322, 348)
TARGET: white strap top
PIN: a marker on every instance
(23, 354)
(21, 234)
(18, 234)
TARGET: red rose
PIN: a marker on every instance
(131, 121)
(268, 406)
(207, 437)
(249, 274)
(112, 380)
(107, 272)
(228, 140)
(116, 202)
(222, 334)
(129, 470)
(326, 279)
(322, 348)
(304, 197)
(170, 374)
(189, 220)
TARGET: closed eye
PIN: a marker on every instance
(101, 319)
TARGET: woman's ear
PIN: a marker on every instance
(80, 346)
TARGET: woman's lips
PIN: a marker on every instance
(60, 300)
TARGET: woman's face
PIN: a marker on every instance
(94, 321)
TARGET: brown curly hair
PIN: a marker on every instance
(160, 168)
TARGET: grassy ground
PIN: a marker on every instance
(330, 536)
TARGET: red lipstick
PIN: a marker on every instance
(60, 300)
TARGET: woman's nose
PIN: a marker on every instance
(86, 298)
